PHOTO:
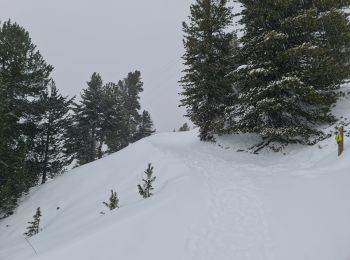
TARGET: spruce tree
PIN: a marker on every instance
(145, 127)
(131, 88)
(115, 121)
(84, 133)
(113, 201)
(210, 58)
(90, 113)
(295, 56)
(75, 136)
(53, 126)
(146, 188)
(24, 76)
(184, 128)
(107, 115)
(34, 227)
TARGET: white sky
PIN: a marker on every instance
(111, 37)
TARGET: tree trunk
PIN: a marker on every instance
(92, 151)
(99, 150)
(46, 157)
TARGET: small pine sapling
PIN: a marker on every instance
(113, 201)
(146, 188)
(34, 227)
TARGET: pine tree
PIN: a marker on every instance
(184, 128)
(210, 58)
(131, 88)
(114, 118)
(53, 126)
(145, 127)
(24, 76)
(295, 57)
(75, 138)
(146, 188)
(107, 115)
(90, 112)
(34, 227)
(84, 133)
(113, 201)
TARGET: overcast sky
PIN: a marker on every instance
(111, 37)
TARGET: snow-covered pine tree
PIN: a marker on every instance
(146, 188)
(209, 58)
(295, 56)
(34, 227)
(145, 127)
(322, 30)
(113, 201)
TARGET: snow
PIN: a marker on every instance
(258, 71)
(210, 202)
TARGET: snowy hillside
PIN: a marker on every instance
(210, 203)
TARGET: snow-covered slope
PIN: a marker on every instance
(210, 203)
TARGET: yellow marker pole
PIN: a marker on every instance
(341, 143)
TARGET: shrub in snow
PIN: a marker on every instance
(34, 229)
(146, 188)
(113, 201)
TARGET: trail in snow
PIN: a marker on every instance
(235, 215)
(235, 223)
